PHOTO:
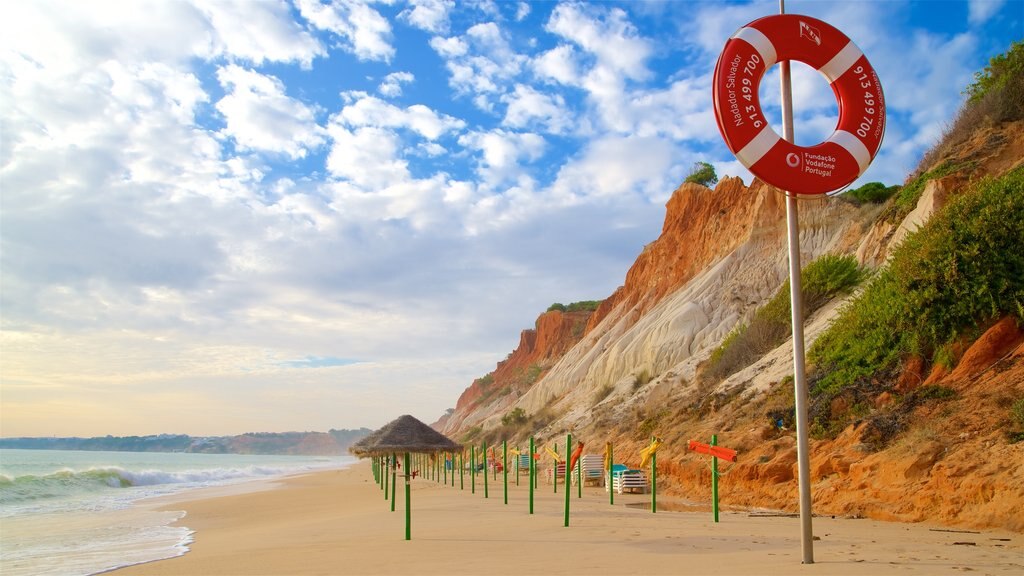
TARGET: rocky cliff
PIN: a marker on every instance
(635, 370)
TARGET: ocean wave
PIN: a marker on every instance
(68, 482)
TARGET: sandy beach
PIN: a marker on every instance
(338, 522)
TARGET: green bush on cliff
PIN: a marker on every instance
(963, 268)
(581, 306)
(702, 173)
(870, 193)
(1000, 85)
(822, 279)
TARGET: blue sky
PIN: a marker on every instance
(263, 215)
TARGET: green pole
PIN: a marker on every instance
(519, 458)
(462, 472)
(579, 478)
(654, 480)
(504, 466)
(444, 465)
(554, 472)
(714, 478)
(533, 471)
(472, 469)
(485, 469)
(568, 448)
(394, 486)
(408, 501)
(385, 470)
(611, 485)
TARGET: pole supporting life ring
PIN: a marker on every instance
(801, 170)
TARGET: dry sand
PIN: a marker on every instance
(338, 522)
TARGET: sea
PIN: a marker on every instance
(72, 513)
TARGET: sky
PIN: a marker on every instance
(270, 215)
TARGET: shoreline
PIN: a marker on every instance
(338, 521)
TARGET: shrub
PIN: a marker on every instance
(962, 268)
(1002, 82)
(996, 95)
(1017, 412)
(581, 306)
(702, 173)
(870, 193)
(515, 418)
(603, 393)
(822, 279)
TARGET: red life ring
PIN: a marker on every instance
(815, 170)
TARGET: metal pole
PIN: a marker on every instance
(408, 501)
(611, 476)
(394, 485)
(385, 474)
(472, 469)
(533, 470)
(568, 455)
(554, 471)
(796, 306)
(485, 469)
(579, 477)
(654, 479)
(714, 478)
(504, 466)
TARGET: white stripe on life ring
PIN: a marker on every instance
(758, 147)
(760, 42)
(841, 62)
(854, 146)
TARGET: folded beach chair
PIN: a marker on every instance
(591, 469)
(558, 471)
(524, 463)
(624, 478)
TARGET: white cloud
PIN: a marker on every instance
(259, 31)
(528, 107)
(429, 15)
(522, 11)
(614, 166)
(449, 47)
(608, 35)
(481, 63)
(503, 152)
(366, 32)
(261, 117)
(558, 64)
(367, 156)
(979, 11)
(370, 111)
(392, 84)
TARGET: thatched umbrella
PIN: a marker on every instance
(408, 435)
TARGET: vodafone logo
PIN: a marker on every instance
(792, 160)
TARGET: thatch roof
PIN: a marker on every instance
(405, 434)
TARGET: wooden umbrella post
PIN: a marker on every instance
(394, 486)
(408, 501)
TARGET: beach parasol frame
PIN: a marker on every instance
(407, 435)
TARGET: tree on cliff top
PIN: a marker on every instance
(702, 173)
